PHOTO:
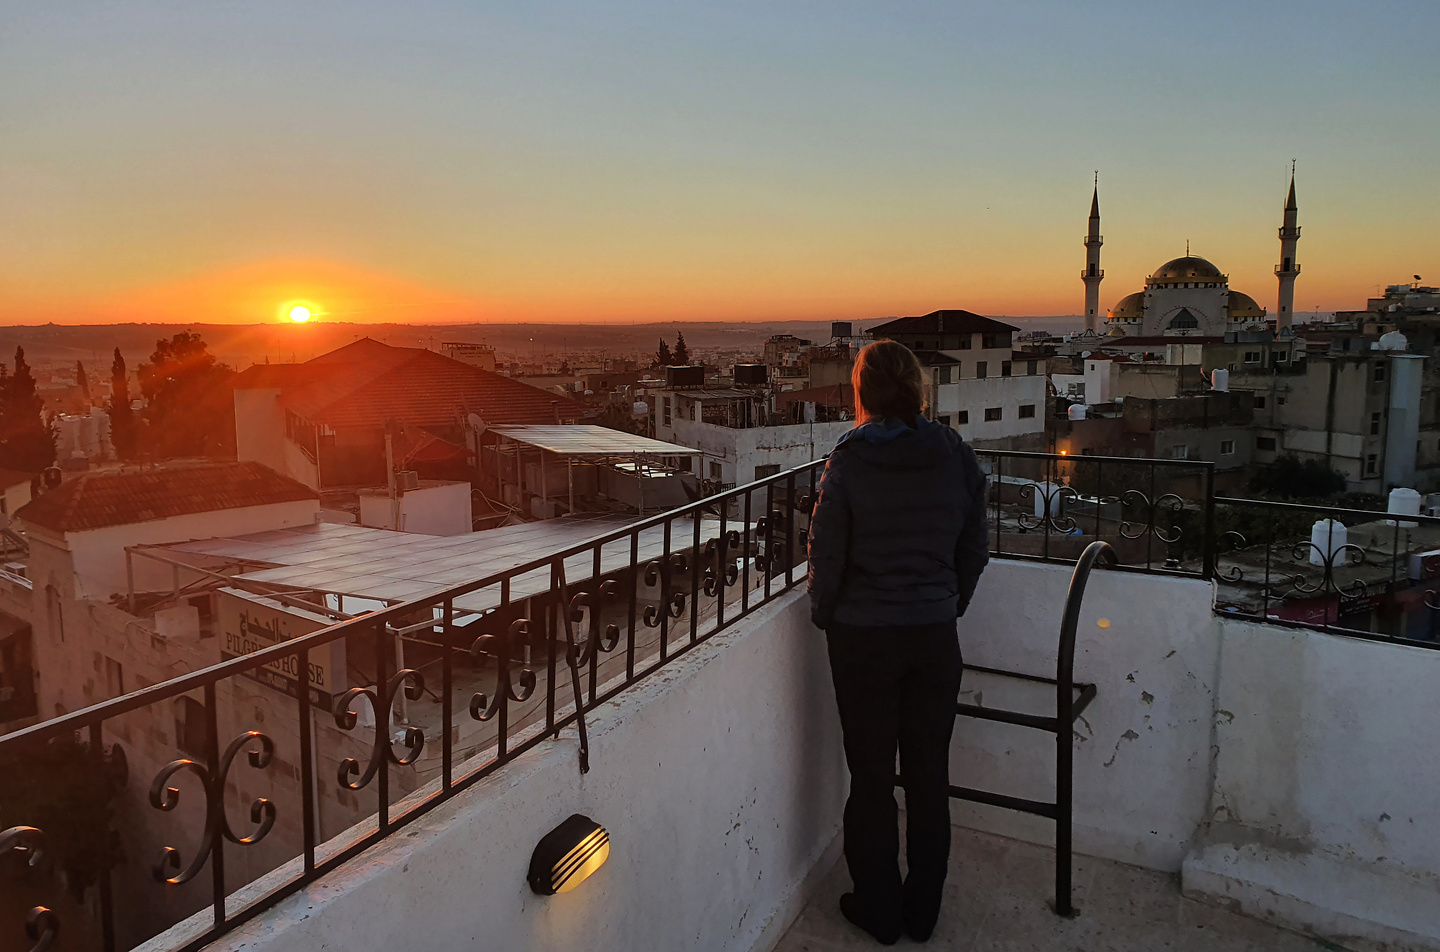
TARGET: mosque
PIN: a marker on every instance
(1189, 296)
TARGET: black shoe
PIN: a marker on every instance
(920, 926)
(850, 908)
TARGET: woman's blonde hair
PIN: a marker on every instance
(888, 382)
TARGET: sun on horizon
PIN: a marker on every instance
(299, 314)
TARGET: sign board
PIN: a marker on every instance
(250, 623)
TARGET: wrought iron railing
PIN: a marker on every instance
(1155, 513)
(324, 771)
(1357, 572)
(563, 633)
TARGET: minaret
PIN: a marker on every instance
(1288, 269)
(1092, 275)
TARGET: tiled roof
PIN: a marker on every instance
(368, 383)
(123, 497)
(942, 322)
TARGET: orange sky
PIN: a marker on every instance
(670, 162)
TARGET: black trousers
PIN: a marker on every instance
(897, 688)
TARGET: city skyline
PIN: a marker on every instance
(674, 163)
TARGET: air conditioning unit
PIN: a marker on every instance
(407, 480)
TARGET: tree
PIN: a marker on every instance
(60, 789)
(1291, 478)
(122, 417)
(662, 355)
(82, 381)
(189, 404)
(682, 353)
(27, 439)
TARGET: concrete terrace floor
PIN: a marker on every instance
(997, 896)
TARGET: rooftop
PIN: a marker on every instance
(943, 322)
(995, 899)
(584, 439)
(368, 383)
(120, 497)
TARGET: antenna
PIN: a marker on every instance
(1187, 247)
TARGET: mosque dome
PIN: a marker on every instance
(1243, 308)
(1129, 308)
(1185, 270)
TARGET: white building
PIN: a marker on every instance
(977, 383)
(729, 428)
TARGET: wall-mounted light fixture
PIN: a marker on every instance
(567, 855)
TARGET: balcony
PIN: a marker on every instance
(664, 679)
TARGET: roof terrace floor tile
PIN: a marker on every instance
(997, 899)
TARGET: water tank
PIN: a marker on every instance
(1394, 340)
(840, 329)
(1220, 380)
(1077, 411)
(639, 408)
(750, 375)
(1403, 502)
(684, 376)
(1327, 537)
(1043, 492)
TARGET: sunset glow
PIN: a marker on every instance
(299, 314)
(701, 161)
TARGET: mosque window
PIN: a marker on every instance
(1184, 320)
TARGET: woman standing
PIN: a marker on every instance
(897, 543)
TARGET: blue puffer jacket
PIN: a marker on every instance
(898, 533)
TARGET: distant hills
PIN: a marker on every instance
(241, 345)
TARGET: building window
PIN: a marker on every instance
(1004, 368)
(942, 376)
(1031, 366)
(1227, 447)
(1370, 465)
(665, 410)
(992, 414)
(1265, 443)
(1259, 402)
(943, 420)
(715, 472)
(1252, 356)
(962, 418)
(965, 342)
(1180, 451)
(982, 369)
(114, 677)
(1027, 411)
(769, 469)
(692, 409)
(1281, 358)
(1379, 372)
(190, 727)
(1280, 400)
(1375, 424)
(994, 341)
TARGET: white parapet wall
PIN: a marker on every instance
(1142, 749)
(1326, 804)
(720, 780)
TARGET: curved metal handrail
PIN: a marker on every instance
(1065, 715)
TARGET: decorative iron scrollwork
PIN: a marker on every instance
(1166, 503)
(1237, 541)
(24, 842)
(42, 927)
(1340, 555)
(165, 797)
(1049, 519)
(413, 683)
(482, 709)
